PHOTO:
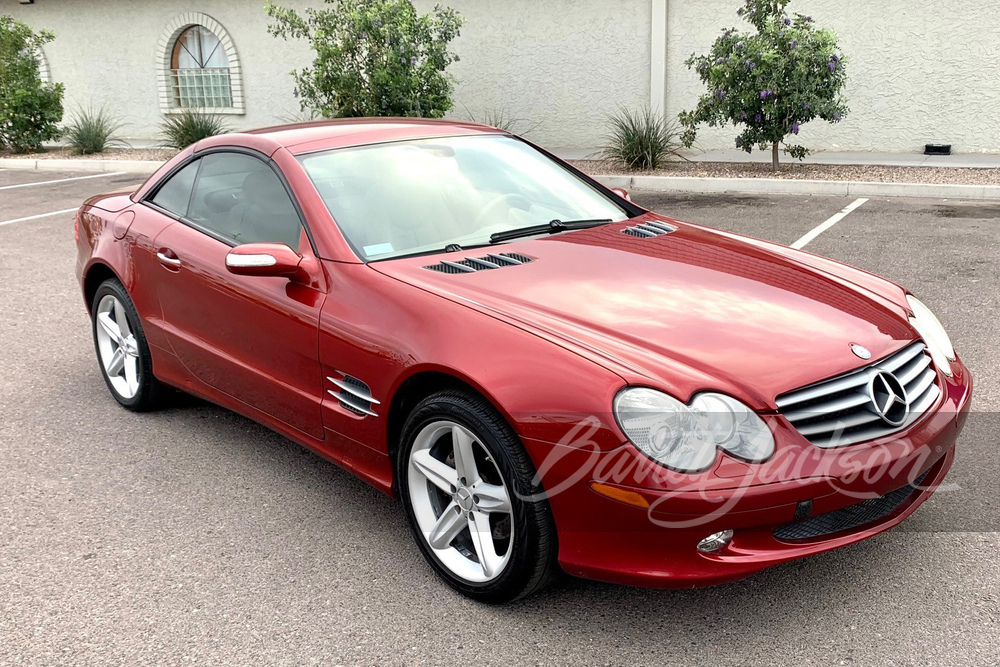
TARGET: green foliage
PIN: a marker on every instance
(372, 57)
(640, 139)
(30, 110)
(91, 131)
(771, 82)
(186, 127)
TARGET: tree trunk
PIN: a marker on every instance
(774, 156)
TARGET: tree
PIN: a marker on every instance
(30, 110)
(769, 83)
(373, 57)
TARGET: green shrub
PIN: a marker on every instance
(186, 127)
(30, 110)
(91, 131)
(640, 139)
(771, 82)
(372, 57)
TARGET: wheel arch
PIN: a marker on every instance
(417, 386)
(95, 275)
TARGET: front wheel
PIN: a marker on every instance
(473, 506)
(122, 350)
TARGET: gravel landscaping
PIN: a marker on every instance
(152, 154)
(820, 172)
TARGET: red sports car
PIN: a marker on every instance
(545, 374)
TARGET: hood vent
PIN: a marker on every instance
(648, 229)
(473, 264)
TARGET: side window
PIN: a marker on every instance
(175, 194)
(239, 197)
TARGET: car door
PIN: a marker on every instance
(251, 337)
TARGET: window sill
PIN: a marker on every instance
(215, 111)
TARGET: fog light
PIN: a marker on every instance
(715, 541)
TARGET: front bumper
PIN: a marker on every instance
(622, 542)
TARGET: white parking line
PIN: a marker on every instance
(816, 231)
(36, 217)
(62, 180)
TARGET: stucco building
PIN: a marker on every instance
(920, 70)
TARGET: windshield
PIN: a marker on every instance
(421, 196)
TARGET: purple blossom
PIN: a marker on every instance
(720, 94)
(795, 43)
(743, 115)
(751, 65)
(837, 117)
(805, 106)
(739, 45)
(832, 65)
(795, 128)
(757, 117)
(413, 61)
(835, 58)
(788, 21)
(719, 61)
(764, 94)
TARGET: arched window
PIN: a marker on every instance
(199, 68)
(200, 71)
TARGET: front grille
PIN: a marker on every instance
(839, 411)
(848, 518)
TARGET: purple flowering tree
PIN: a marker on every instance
(372, 57)
(769, 83)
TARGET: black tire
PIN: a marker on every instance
(147, 397)
(533, 563)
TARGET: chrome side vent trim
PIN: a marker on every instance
(353, 395)
(648, 230)
(474, 264)
(840, 411)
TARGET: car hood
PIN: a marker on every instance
(691, 310)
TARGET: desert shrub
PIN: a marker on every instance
(186, 127)
(93, 130)
(640, 139)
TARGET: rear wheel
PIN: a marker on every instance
(468, 488)
(122, 349)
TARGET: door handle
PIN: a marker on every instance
(172, 262)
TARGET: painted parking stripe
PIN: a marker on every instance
(62, 180)
(36, 217)
(816, 231)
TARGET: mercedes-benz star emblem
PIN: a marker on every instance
(888, 398)
(861, 351)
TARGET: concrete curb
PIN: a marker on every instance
(97, 166)
(799, 187)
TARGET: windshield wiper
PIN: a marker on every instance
(552, 227)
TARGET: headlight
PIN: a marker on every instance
(933, 333)
(687, 437)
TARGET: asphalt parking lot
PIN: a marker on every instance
(193, 536)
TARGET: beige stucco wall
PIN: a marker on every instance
(920, 71)
(560, 66)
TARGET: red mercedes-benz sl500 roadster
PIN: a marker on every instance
(549, 377)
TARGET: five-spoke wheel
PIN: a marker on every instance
(474, 505)
(121, 347)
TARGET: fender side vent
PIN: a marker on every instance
(353, 395)
(474, 264)
(648, 230)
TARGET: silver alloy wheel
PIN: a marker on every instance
(118, 348)
(460, 501)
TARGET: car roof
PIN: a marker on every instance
(299, 138)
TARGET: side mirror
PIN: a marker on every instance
(263, 259)
(622, 192)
